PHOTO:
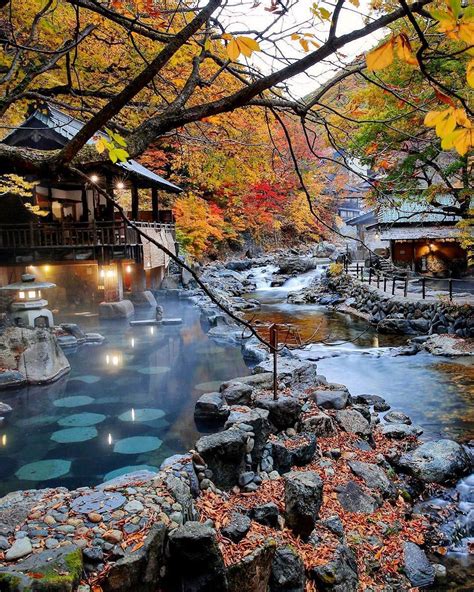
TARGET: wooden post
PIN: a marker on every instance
(450, 281)
(154, 205)
(423, 287)
(109, 208)
(378, 280)
(384, 283)
(405, 288)
(134, 192)
(274, 349)
(357, 271)
(370, 276)
(393, 286)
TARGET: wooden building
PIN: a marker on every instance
(424, 239)
(79, 242)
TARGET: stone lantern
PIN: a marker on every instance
(28, 307)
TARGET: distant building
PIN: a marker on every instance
(415, 236)
(80, 243)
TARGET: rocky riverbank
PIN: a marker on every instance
(390, 314)
(317, 490)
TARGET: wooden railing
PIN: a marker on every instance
(38, 235)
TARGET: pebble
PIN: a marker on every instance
(177, 517)
(4, 544)
(51, 543)
(118, 515)
(94, 517)
(20, 548)
(113, 536)
(133, 507)
(274, 475)
(49, 520)
(205, 484)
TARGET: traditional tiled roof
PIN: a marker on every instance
(419, 232)
(67, 127)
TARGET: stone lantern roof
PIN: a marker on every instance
(28, 282)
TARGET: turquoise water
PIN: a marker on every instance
(126, 403)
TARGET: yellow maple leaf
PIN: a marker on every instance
(470, 73)
(233, 49)
(241, 45)
(381, 57)
(405, 51)
(355, 3)
(444, 121)
(462, 139)
(247, 45)
(462, 118)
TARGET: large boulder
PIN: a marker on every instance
(266, 514)
(398, 431)
(339, 574)
(418, 569)
(261, 380)
(34, 353)
(284, 412)
(237, 393)
(441, 461)
(122, 309)
(195, 561)
(397, 417)
(288, 573)
(210, 407)
(320, 424)
(224, 454)
(353, 498)
(303, 499)
(140, 569)
(373, 476)
(11, 379)
(58, 569)
(252, 573)
(296, 450)
(353, 422)
(402, 326)
(330, 399)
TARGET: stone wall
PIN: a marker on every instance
(395, 314)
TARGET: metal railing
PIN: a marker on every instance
(418, 285)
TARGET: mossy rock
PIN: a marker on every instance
(58, 570)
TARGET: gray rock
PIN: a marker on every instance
(122, 309)
(41, 359)
(397, 417)
(354, 422)
(286, 454)
(373, 476)
(196, 563)
(331, 399)
(237, 393)
(436, 462)
(224, 454)
(283, 413)
(252, 573)
(398, 431)
(141, 569)
(246, 477)
(5, 409)
(320, 424)
(334, 525)
(418, 569)
(369, 399)
(338, 575)
(210, 407)
(288, 573)
(260, 380)
(20, 548)
(303, 498)
(11, 379)
(4, 544)
(257, 419)
(266, 514)
(133, 506)
(353, 498)
(34, 573)
(237, 528)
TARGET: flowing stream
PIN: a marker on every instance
(129, 402)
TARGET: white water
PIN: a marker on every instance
(263, 277)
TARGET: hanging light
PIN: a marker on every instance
(120, 185)
(94, 178)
